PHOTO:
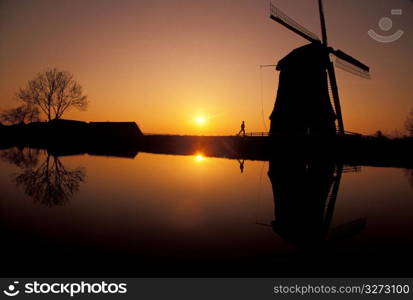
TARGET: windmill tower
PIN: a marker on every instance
(307, 99)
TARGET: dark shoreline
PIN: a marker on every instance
(125, 139)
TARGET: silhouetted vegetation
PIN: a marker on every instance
(54, 92)
(23, 114)
(379, 134)
(409, 123)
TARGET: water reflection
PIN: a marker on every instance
(21, 157)
(409, 174)
(201, 212)
(199, 157)
(241, 165)
(305, 194)
(47, 182)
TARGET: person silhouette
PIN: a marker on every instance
(241, 165)
(242, 129)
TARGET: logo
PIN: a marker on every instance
(69, 288)
(11, 290)
(386, 24)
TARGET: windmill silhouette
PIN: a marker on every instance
(307, 101)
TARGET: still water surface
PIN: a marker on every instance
(194, 215)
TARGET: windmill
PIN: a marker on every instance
(307, 99)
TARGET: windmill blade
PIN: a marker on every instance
(333, 197)
(336, 98)
(280, 17)
(322, 22)
(346, 66)
(351, 60)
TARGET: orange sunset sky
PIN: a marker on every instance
(192, 67)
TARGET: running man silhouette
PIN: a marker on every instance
(242, 129)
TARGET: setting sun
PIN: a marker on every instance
(200, 120)
(199, 157)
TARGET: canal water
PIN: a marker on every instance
(170, 215)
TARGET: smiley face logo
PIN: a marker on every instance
(386, 24)
(11, 290)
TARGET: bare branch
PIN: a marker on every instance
(23, 114)
(54, 92)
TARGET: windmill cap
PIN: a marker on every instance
(307, 56)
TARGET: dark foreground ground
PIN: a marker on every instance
(34, 257)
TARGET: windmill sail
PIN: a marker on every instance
(336, 98)
(280, 17)
(349, 67)
(322, 22)
(351, 60)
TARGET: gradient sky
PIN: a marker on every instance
(163, 63)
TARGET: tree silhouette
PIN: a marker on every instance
(50, 183)
(409, 123)
(23, 114)
(54, 92)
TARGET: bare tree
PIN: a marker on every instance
(54, 92)
(22, 114)
(409, 123)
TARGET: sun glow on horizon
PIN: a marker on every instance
(200, 120)
(199, 157)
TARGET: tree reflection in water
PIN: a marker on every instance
(21, 157)
(409, 174)
(49, 183)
